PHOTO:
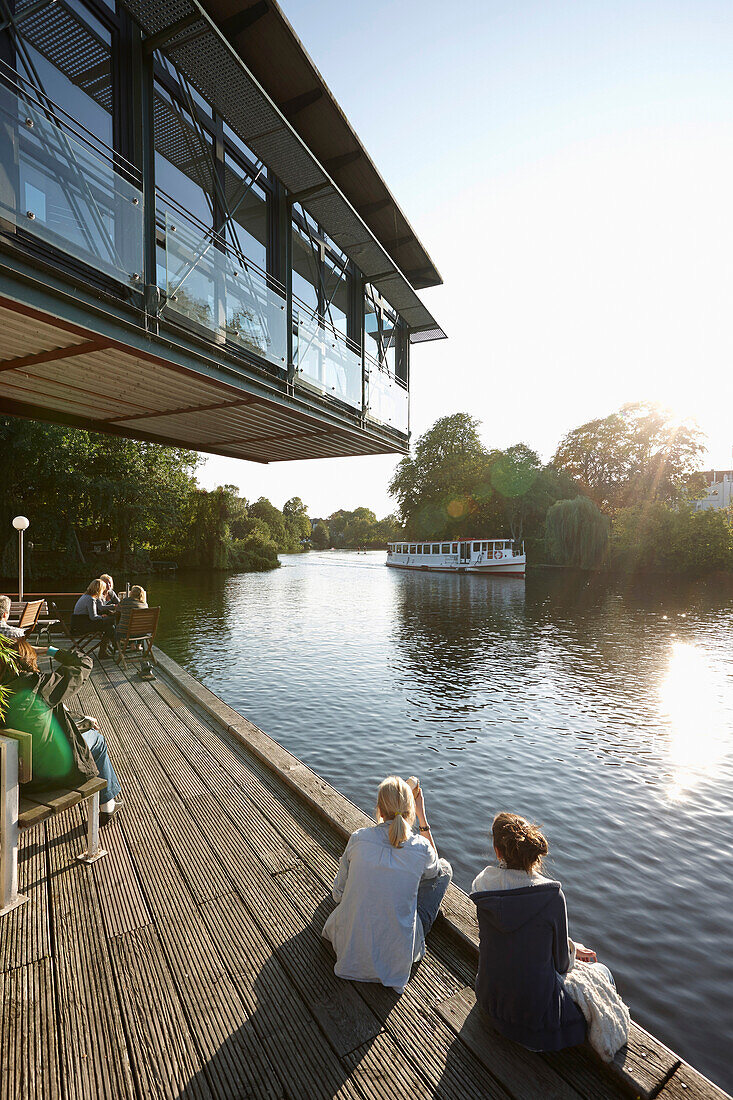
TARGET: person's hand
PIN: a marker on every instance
(584, 954)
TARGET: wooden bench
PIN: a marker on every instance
(16, 768)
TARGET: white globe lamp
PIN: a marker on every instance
(21, 524)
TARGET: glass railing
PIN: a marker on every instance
(324, 359)
(388, 401)
(220, 291)
(61, 186)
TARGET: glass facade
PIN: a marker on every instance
(235, 261)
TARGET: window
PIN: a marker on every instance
(412, 549)
(381, 328)
(454, 548)
(484, 546)
(476, 547)
(435, 549)
(305, 262)
(247, 221)
(445, 548)
(72, 65)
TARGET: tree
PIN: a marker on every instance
(320, 538)
(297, 524)
(640, 454)
(435, 488)
(576, 533)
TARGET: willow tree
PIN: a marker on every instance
(576, 533)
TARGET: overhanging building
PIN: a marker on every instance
(195, 247)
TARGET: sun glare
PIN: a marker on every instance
(692, 697)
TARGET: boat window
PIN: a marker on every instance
(484, 546)
(476, 547)
(412, 550)
(445, 548)
(454, 548)
(436, 548)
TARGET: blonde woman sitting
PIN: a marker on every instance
(389, 888)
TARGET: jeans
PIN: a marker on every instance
(430, 894)
(98, 748)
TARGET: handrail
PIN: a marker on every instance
(213, 236)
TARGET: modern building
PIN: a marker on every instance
(195, 247)
(719, 490)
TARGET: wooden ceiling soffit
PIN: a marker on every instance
(53, 354)
(247, 441)
(181, 411)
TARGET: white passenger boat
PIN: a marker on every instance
(496, 556)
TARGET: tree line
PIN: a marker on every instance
(84, 491)
(619, 493)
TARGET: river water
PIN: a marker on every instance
(603, 711)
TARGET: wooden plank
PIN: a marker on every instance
(92, 1049)
(57, 800)
(235, 1064)
(32, 813)
(521, 1072)
(122, 902)
(645, 1064)
(341, 1014)
(687, 1084)
(280, 1017)
(24, 937)
(164, 1056)
(29, 1063)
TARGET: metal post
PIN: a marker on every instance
(20, 564)
(93, 852)
(9, 897)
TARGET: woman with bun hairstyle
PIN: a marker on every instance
(389, 888)
(524, 947)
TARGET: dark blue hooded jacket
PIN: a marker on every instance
(523, 950)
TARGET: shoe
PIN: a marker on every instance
(112, 807)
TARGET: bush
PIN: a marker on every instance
(660, 538)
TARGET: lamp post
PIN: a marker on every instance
(20, 523)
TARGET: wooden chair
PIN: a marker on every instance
(135, 640)
(16, 768)
(29, 615)
(45, 625)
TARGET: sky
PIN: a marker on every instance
(569, 167)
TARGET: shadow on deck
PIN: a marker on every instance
(189, 962)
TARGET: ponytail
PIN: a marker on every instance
(396, 805)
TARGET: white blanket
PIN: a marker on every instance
(605, 1013)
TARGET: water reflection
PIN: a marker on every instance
(693, 696)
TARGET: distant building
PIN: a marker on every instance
(719, 490)
(195, 246)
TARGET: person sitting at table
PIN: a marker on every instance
(87, 617)
(137, 600)
(6, 628)
(110, 599)
(64, 754)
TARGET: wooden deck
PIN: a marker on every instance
(189, 962)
